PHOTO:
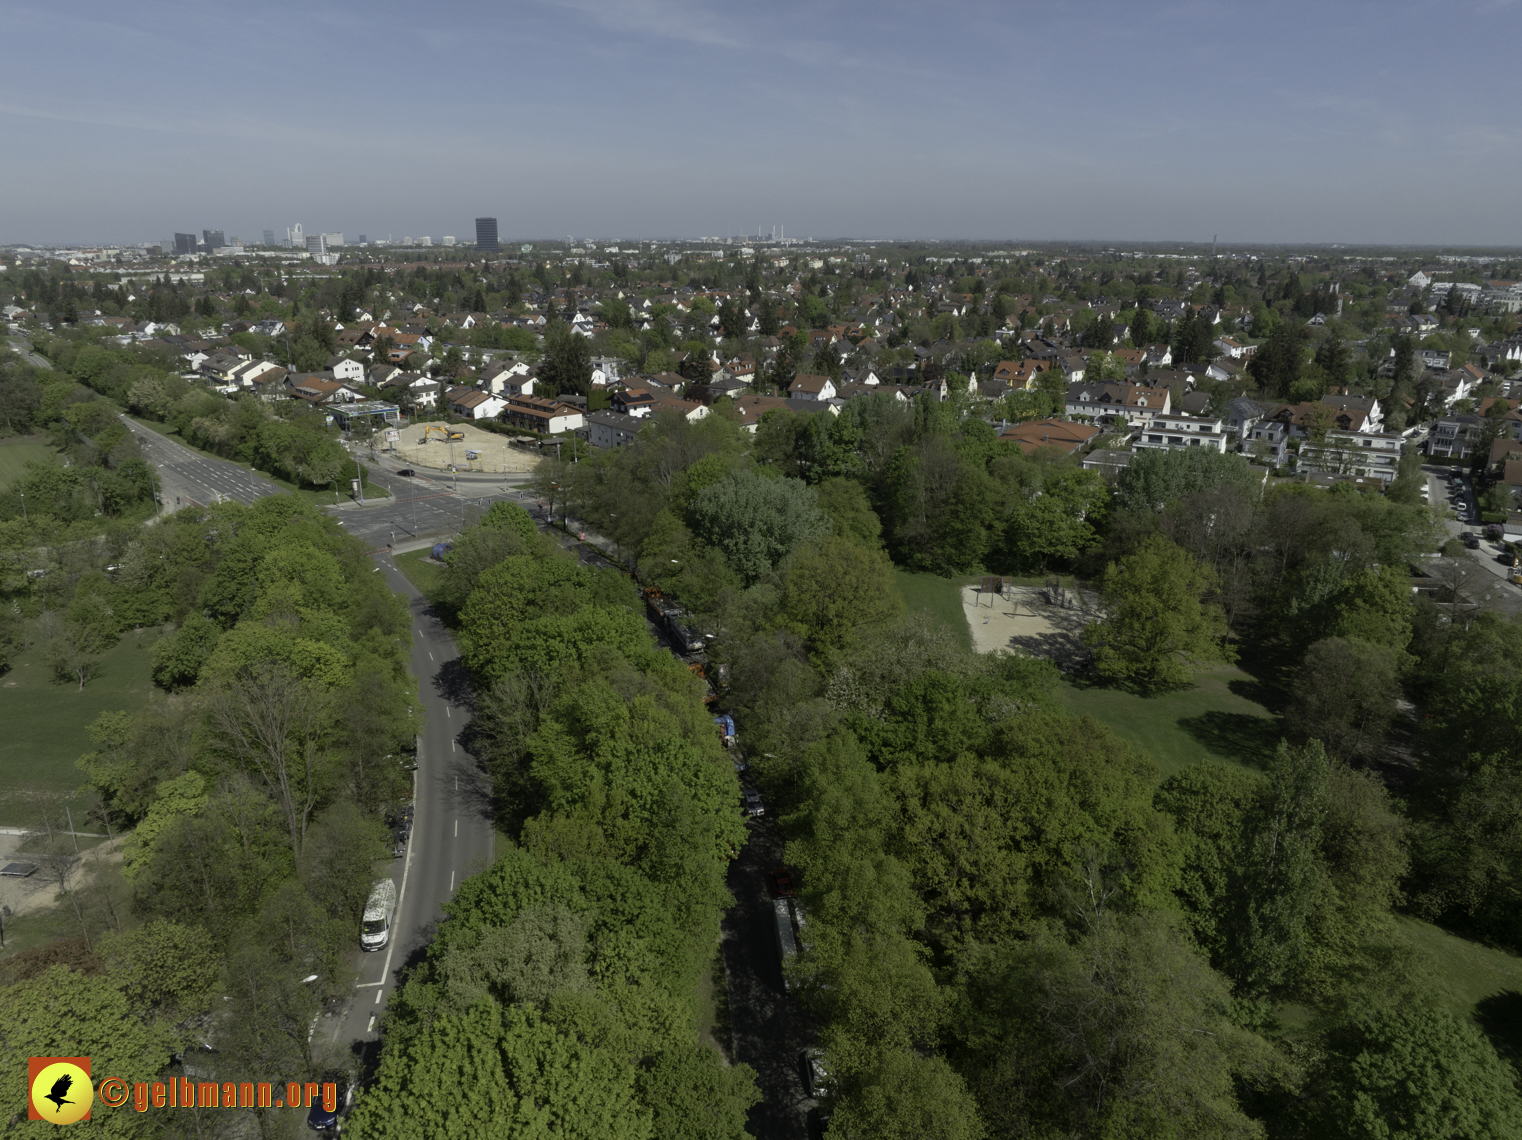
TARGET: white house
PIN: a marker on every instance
(476, 405)
(605, 371)
(1175, 433)
(348, 371)
(811, 387)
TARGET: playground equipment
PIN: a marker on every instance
(447, 434)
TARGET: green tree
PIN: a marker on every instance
(756, 521)
(1282, 878)
(1156, 478)
(1413, 1072)
(499, 1072)
(177, 659)
(68, 1013)
(833, 585)
(1059, 519)
(567, 364)
(846, 502)
(908, 1097)
(1125, 1032)
(1157, 626)
(693, 1095)
(1345, 694)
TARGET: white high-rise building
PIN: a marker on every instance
(425, 241)
(294, 237)
(448, 240)
(317, 244)
(331, 240)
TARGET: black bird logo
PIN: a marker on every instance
(61, 1091)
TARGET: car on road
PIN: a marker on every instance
(783, 883)
(1472, 541)
(750, 802)
(406, 472)
(321, 1118)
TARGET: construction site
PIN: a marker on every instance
(459, 447)
(1044, 621)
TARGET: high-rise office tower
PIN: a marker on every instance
(184, 243)
(486, 233)
(269, 237)
(317, 243)
(294, 237)
(213, 239)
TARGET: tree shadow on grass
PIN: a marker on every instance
(1500, 1016)
(1252, 689)
(1236, 736)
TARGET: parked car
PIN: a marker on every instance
(818, 1123)
(1472, 540)
(815, 1076)
(783, 884)
(750, 802)
(406, 473)
(321, 1118)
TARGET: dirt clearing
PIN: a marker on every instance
(494, 453)
(1042, 621)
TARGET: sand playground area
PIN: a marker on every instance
(1044, 621)
(495, 454)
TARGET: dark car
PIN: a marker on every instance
(1472, 541)
(406, 473)
(750, 802)
(783, 884)
(323, 1119)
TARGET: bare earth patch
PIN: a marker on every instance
(1029, 618)
(495, 453)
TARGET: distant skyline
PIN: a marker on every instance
(1280, 122)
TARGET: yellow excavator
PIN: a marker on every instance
(447, 434)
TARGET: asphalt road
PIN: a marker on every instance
(187, 477)
(420, 507)
(452, 832)
(768, 1026)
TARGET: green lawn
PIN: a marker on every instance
(941, 596)
(46, 723)
(15, 454)
(424, 575)
(1216, 719)
(1469, 972)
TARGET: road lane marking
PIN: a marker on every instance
(451, 882)
(447, 713)
(367, 985)
(430, 655)
(378, 995)
(451, 746)
(371, 1026)
(457, 829)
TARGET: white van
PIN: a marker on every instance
(375, 929)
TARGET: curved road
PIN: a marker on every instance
(452, 833)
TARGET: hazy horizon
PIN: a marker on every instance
(1354, 124)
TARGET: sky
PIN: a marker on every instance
(1263, 122)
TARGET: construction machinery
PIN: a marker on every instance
(447, 434)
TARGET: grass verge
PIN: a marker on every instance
(941, 596)
(47, 722)
(426, 576)
(1216, 719)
